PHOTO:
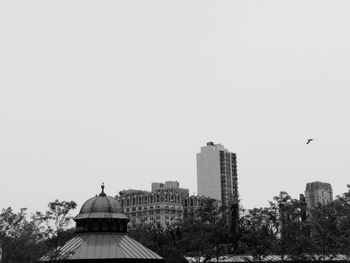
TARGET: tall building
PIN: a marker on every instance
(318, 193)
(166, 203)
(217, 174)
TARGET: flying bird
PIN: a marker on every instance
(309, 140)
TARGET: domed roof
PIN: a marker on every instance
(101, 206)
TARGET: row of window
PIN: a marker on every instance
(132, 201)
(151, 208)
(186, 202)
(155, 218)
(157, 211)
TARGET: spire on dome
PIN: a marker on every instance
(102, 187)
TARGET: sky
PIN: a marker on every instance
(126, 93)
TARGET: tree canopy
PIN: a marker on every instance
(285, 227)
(25, 237)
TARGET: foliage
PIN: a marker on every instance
(280, 229)
(292, 232)
(159, 239)
(28, 236)
(258, 232)
(57, 219)
(20, 236)
(331, 226)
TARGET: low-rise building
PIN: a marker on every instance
(166, 203)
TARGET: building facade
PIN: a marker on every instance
(166, 203)
(318, 193)
(170, 187)
(217, 174)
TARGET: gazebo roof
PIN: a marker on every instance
(108, 247)
(102, 236)
(101, 206)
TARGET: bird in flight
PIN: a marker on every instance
(309, 140)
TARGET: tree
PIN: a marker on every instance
(57, 220)
(20, 235)
(292, 237)
(342, 206)
(331, 226)
(258, 232)
(26, 237)
(162, 240)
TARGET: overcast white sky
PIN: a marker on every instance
(126, 92)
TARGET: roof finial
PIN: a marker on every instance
(103, 187)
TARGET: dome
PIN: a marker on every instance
(101, 206)
(101, 236)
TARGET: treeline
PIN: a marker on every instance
(286, 227)
(26, 237)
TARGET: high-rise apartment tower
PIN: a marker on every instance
(217, 174)
(318, 193)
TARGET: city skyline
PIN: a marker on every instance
(126, 93)
(175, 180)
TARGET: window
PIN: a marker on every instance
(95, 226)
(115, 226)
(104, 226)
